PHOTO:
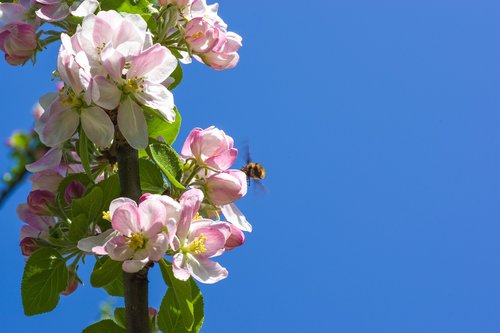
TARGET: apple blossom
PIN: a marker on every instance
(48, 180)
(210, 147)
(201, 35)
(225, 187)
(141, 232)
(36, 226)
(198, 240)
(28, 246)
(58, 10)
(18, 41)
(224, 55)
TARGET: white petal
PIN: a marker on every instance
(98, 126)
(236, 217)
(118, 202)
(61, 125)
(85, 8)
(132, 124)
(95, 244)
(158, 97)
(50, 160)
(105, 93)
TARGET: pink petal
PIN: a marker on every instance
(157, 246)
(126, 219)
(216, 235)
(119, 202)
(153, 217)
(236, 217)
(50, 160)
(180, 273)
(190, 202)
(118, 249)
(154, 64)
(98, 126)
(105, 93)
(133, 266)
(205, 270)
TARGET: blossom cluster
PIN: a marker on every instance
(108, 133)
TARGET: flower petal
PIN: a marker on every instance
(153, 217)
(157, 246)
(154, 64)
(205, 270)
(118, 249)
(132, 124)
(61, 125)
(105, 93)
(133, 266)
(98, 126)
(178, 269)
(126, 220)
(96, 244)
(190, 202)
(119, 202)
(50, 160)
(236, 217)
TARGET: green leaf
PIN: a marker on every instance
(78, 228)
(115, 288)
(188, 303)
(104, 326)
(159, 127)
(167, 160)
(105, 272)
(128, 6)
(120, 317)
(45, 276)
(177, 75)
(89, 205)
(169, 316)
(111, 190)
(151, 178)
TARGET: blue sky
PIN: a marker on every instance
(378, 123)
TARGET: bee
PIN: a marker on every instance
(254, 171)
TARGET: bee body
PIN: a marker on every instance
(254, 171)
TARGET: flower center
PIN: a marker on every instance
(106, 215)
(132, 86)
(196, 35)
(137, 241)
(197, 246)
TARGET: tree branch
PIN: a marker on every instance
(135, 284)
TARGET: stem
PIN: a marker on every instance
(135, 284)
(18, 178)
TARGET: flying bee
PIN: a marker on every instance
(254, 171)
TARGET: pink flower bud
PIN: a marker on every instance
(236, 239)
(226, 187)
(201, 35)
(72, 284)
(74, 190)
(211, 147)
(40, 201)
(225, 54)
(18, 40)
(144, 197)
(28, 246)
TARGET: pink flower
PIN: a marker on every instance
(41, 201)
(58, 10)
(19, 41)
(197, 241)
(144, 74)
(210, 147)
(36, 226)
(225, 187)
(201, 35)
(225, 54)
(237, 238)
(141, 232)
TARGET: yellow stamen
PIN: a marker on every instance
(137, 241)
(106, 215)
(196, 35)
(197, 217)
(197, 246)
